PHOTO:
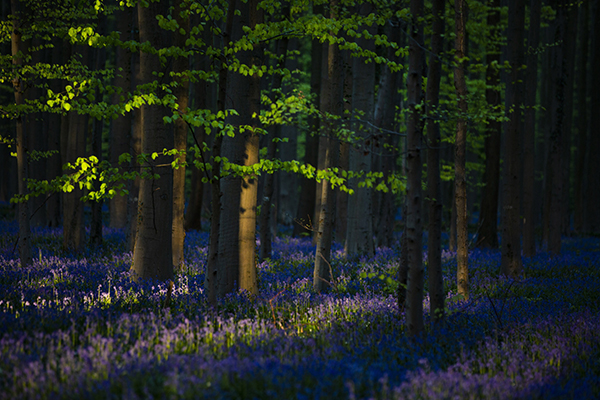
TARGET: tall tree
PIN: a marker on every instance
(414, 197)
(19, 51)
(592, 211)
(359, 233)
(582, 118)
(533, 40)
(330, 103)
(236, 259)
(120, 132)
(152, 258)
(181, 92)
(511, 222)
(434, 192)
(488, 221)
(460, 177)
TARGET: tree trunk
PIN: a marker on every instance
(237, 240)
(269, 179)
(330, 102)
(181, 92)
(19, 49)
(460, 177)
(359, 233)
(434, 189)
(582, 119)
(592, 211)
(511, 224)
(414, 198)
(152, 258)
(120, 133)
(533, 41)
(488, 221)
(308, 192)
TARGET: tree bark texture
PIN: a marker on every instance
(19, 49)
(533, 40)
(488, 221)
(460, 177)
(331, 101)
(153, 257)
(120, 132)
(359, 233)
(511, 263)
(434, 189)
(181, 91)
(414, 197)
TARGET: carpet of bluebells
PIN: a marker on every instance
(76, 326)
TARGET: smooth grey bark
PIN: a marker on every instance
(120, 131)
(531, 74)
(460, 177)
(181, 92)
(582, 118)
(488, 221)
(434, 188)
(592, 211)
(308, 192)
(214, 273)
(236, 259)
(152, 257)
(511, 264)
(269, 180)
(18, 51)
(330, 102)
(359, 233)
(414, 196)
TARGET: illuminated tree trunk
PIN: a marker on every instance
(359, 233)
(460, 177)
(330, 102)
(488, 221)
(511, 225)
(414, 196)
(181, 91)
(434, 192)
(152, 258)
(237, 241)
(18, 50)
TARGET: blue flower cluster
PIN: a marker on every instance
(78, 326)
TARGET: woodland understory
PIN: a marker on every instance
(78, 326)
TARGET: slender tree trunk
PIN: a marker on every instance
(269, 180)
(19, 49)
(582, 118)
(488, 221)
(330, 102)
(414, 197)
(434, 189)
(511, 224)
(592, 211)
(308, 193)
(460, 177)
(215, 274)
(386, 144)
(153, 257)
(359, 234)
(181, 91)
(54, 164)
(533, 41)
(120, 136)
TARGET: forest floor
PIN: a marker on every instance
(77, 326)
